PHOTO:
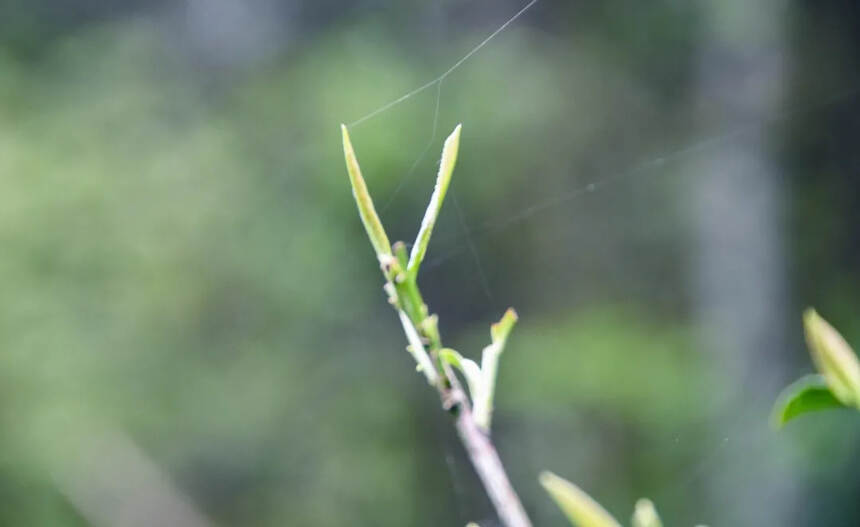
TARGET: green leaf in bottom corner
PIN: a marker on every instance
(810, 393)
(580, 509)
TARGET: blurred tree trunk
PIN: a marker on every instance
(739, 264)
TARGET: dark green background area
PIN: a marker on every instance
(183, 273)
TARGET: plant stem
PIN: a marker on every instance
(489, 467)
(400, 271)
(477, 443)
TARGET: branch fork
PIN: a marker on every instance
(422, 333)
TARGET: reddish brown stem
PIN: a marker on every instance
(482, 453)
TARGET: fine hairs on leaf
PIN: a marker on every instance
(366, 210)
(443, 180)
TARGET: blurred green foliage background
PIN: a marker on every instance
(183, 273)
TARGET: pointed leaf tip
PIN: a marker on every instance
(443, 179)
(579, 507)
(501, 329)
(366, 210)
(645, 514)
(833, 357)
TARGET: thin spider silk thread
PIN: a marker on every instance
(440, 78)
(438, 83)
(649, 166)
(472, 249)
(409, 173)
(489, 227)
(652, 165)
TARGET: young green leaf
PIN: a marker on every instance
(366, 210)
(471, 371)
(808, 394)
(645, 514)
(834, 358)
(580, 509)
(443, 179)
(452, 357)
(499, 332)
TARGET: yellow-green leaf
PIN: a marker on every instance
(443, 179)
(366, 210)
(580, 509)
(501, 329)
(833, 357)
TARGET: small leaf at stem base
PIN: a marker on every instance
(808, 394)
(470, 369)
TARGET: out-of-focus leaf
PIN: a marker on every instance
(366, 210)
(443, 179)
(808, 394)
(580, 509)
(833, 357)
(645, 514)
